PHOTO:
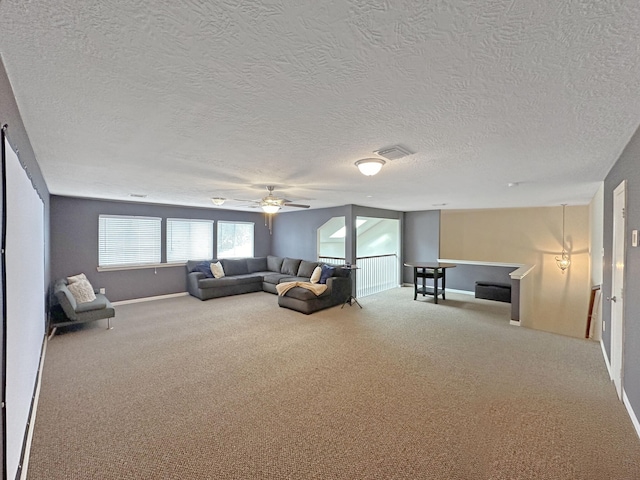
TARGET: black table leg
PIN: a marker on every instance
(444, 280)
(435, 286)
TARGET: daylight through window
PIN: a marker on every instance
(235, 239)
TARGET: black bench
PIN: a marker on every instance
(500, 292)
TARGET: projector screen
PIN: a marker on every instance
(24, 297)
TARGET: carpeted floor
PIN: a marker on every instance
(238, 388)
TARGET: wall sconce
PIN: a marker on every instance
(563, 261)
(370, 166)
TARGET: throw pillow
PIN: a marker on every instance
(205, 268)
(327, 272)
(217, 270)
(82, 291)
(290, 266)
(76, 278)
(315, 276)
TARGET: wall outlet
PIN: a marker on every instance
(103, 291)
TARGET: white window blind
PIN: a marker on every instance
(235, 239)
(125, 240)
(189, 239)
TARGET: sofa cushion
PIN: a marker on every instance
(218, 282)
(327, 271)
(204, 267)
(217, 270)
(258, 264)
(275, 278)
(234, 267)
(274, 264)
(99, 303)
(306, 268)
(290, 266)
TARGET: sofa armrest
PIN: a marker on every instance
(340, 287)
(192, 282)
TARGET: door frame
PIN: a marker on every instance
(616, 300)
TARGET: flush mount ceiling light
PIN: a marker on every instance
(370, 166)
(563, 261)
(218, 200)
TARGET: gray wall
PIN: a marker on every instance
(74, 244)
(421, 239)
(19, 140)
(464, 277)
(626, 168)
(295, 234)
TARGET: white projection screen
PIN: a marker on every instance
(24, 301)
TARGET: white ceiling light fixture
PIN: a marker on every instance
(218, 201)
(270, 208)
(370, 166)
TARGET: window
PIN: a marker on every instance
(235, 239)
(124, 241)
(189, 240)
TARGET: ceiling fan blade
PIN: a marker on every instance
(297, 205)
(244, 200)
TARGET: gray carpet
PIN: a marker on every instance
(238, 388)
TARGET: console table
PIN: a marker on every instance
(433, 270)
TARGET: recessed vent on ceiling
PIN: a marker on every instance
(394, 152)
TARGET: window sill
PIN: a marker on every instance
(147, 266)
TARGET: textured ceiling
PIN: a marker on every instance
(182, 101)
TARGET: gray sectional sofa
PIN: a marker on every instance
(245, 275)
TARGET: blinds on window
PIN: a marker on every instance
(189, 239)
(126, 240)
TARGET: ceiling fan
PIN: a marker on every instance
(272, 204)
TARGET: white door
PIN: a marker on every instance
(617, 286)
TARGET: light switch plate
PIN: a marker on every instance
(634, 238)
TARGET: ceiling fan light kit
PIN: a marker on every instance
(370, 166)
(270, 208)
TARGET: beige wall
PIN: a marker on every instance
(530, 236)
(596, 251)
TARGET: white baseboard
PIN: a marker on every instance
(606, 359)
(149, 299)
(632, 414)
(514, 322)
(464, 292)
